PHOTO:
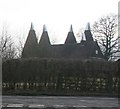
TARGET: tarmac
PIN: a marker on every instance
(59, 102)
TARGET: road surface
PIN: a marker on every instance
(58, 101)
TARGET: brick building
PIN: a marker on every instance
(87, 48)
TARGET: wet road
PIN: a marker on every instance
(58, 101)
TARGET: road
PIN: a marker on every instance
(58, 101)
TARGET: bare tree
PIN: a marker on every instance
(19, 47)
(105, 32)
(7, 46)
(80, 35)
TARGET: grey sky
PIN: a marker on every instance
(58, 15)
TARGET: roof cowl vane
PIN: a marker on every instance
(32, 27)
(87, 26)
(44, 28)
(71, 29)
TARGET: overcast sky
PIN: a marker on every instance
(58, 15)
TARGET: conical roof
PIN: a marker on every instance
(70, 37)
(88, 34)
(30, 47)
(44, 37)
